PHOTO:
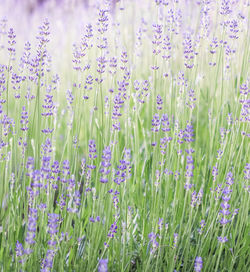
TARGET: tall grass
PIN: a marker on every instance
(130, 150)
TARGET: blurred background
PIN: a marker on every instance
(31, 6)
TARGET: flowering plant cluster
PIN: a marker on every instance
(124, 135)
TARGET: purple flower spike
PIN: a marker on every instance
(230, 179)
(202, 226)
(198, 264)
(165, 123)
(103, 265)
(112, 230)
(19, 249)
(53, 220)
(92, 154)
(11, 42)
(32, 221)
(159, 102)
(20, 252)
(156, 122)
(175, 239)
(154, 244)
(247, 172)
(222, 239)
(106, 157)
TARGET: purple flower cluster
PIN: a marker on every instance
(106, 158)
(151, 96)
(198, 264)
(92, 154)
(202, 226)
(245, 102)
(141, 90)
(24, 120)
(112, 230)
(19, 252)
(103, 265)
(225, 212)
(156, 122)
(11, 43)
(31, 229)
(124, 168)
(175, 240)
(189, 52)
(153, 241)
(196, 198)
(47, 262)
(226, 195)
(116, 114)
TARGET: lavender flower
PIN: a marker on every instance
(92, 154)
(225, 206)
(199, 197)
(202, 226)
(213, 49)
(8, 125)
(113, 65)
(247, 172)
(47, 263)
(3, 31)
(122, 87)
(116, 114)
(225, 7)
(24, 120)
(175, 239)
(215, 172)
(16, 81)
(53, 220)
(65, 171)
(156, 122)
(234, 29)
(188, 52)
(229, 179)
(165, 124)
(222, 239)
(205, 19)
(38, 63)
(62, 201)
(198, 264)
(124, 168)
(101, 64)
(189, 133)
(157, 38)
(25, 59)
(141, 90)
(102, 21)
(112, 230)
(189, 171)
(163, 144)
(106, 157)
(19, 249)
(159, 102)
(48, 105)
(12, 42)
(78, 53)
(152, 237)
(191, 99)
(31, 226)
(193, 200)
(124, 60)
(103, 265)
(166, 46)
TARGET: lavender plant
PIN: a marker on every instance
(124, 135)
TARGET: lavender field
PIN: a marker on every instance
(124, 135)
